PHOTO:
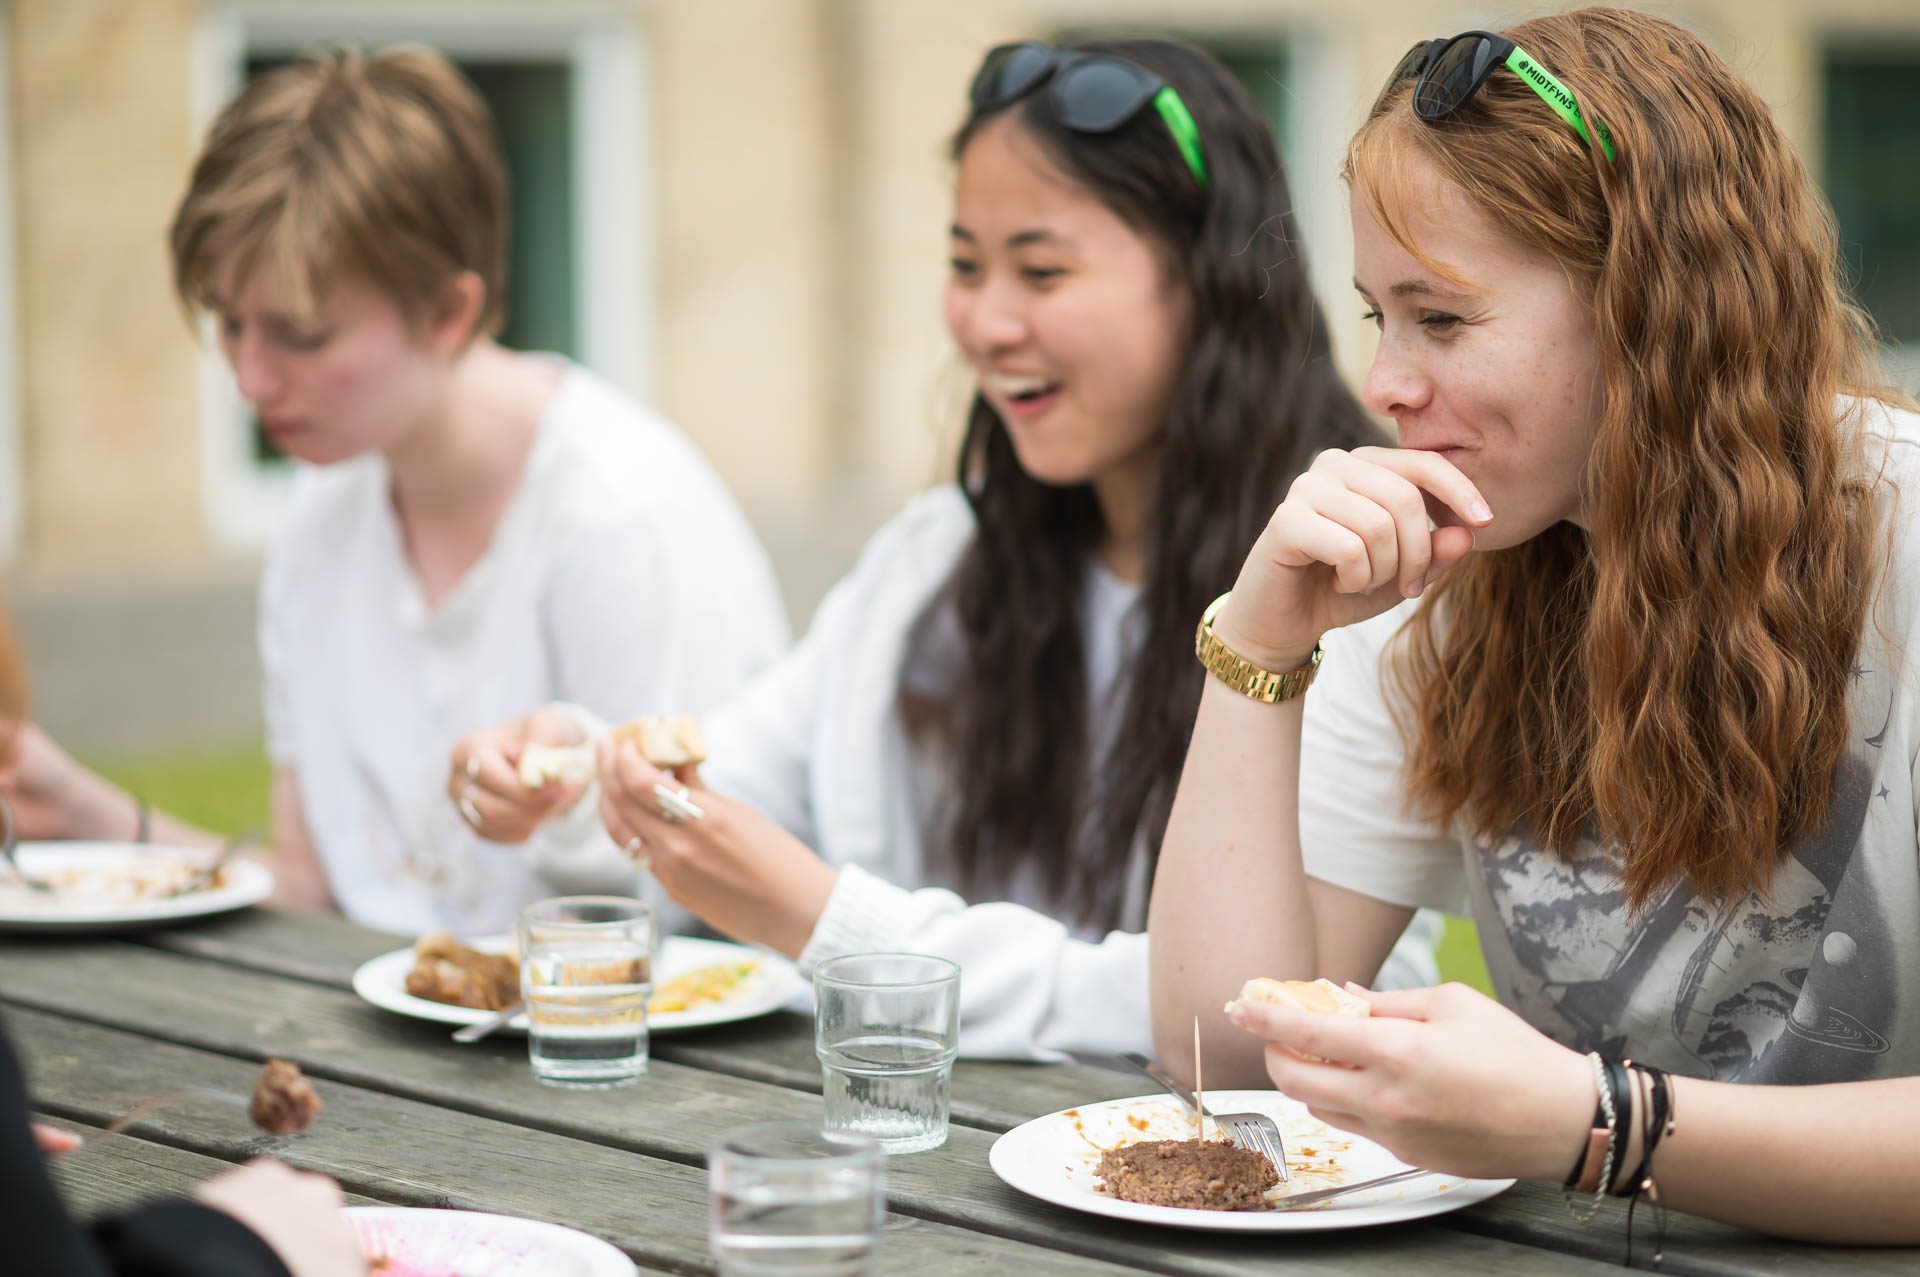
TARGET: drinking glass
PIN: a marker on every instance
(586, 970)
(786, 1199)
(886, 1027)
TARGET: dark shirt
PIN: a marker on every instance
(171, 1238)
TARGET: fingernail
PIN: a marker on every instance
(1414, 587)
(1480, 511)
(1237, 1012)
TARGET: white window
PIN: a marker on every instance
(566, 82)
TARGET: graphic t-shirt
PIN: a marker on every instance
(1805, 983)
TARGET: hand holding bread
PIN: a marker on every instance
(1322, 996)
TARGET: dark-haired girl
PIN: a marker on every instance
(993, 707)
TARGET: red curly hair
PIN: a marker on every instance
(1673, 677)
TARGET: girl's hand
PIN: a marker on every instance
(483, 778)
(732, 867)
(1358, 532)
(1443, 1078)
(294, 1212)
(54, 797)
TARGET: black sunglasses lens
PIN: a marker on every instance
(1405, 69)
(1098, 95)
(1010, 71)
(1454, 76)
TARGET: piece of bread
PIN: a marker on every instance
(666, 740)
(568, 764)
(1323, 996)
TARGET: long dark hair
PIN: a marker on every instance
(1257, 398)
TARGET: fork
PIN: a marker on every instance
(7, 844)
(1255, 1132)
(206, 875)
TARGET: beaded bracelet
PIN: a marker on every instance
(1611, 1092)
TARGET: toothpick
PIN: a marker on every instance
(1199, 1094)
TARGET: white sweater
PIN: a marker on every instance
(816, 742)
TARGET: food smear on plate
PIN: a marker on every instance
(1191, 1174)
(120, 885)
(701, 986)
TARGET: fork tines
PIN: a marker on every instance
(1256, 1133)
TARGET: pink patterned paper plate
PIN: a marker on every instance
(405, 1242)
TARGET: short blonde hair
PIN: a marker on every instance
(385, 166)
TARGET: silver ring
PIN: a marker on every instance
(677, 805)
(636, 849)
(473, 767)
(468, 812)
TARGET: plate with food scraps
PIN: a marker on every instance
(405, 1242)
(696, 983)
(1057, 1158)
(116, 886)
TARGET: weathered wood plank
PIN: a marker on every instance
(673, 1115)
(415, 1154)
(112, 1173)
(777, 1049)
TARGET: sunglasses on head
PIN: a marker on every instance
(1090, 93)
(1451, 69)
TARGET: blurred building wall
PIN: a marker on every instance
(766, 247)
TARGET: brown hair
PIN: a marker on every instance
(1674, 677)
(384, 166)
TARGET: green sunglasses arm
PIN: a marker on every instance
(1186, 134)
(1555, 95)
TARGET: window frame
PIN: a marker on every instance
(615, 297)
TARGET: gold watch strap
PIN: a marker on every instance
(1243, 676)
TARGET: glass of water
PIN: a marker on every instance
(787, 1199)
(586, 971)
(886, 1027)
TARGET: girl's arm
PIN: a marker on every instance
(1449, 1079)
(1231, 897)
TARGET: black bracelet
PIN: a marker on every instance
(1653, 1125)
(1658, 1125)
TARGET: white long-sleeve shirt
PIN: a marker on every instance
(595, 588)
(817, 743)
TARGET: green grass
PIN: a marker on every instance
(1459, 955)
(223, 788)
(226, 790)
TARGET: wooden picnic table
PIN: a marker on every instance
(413, 1119)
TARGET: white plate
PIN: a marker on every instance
(383, 982)
(433, 1243)
(1053, 1158)
(97, 907)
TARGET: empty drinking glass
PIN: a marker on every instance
(886, 1027)
(586, 970)
(786, 1198)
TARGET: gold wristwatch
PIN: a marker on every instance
(1242, 675)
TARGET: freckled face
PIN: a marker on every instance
(1499, 375)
